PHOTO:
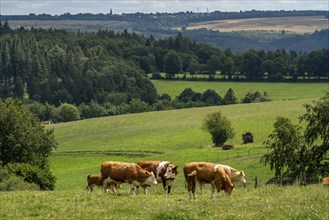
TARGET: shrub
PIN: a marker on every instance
(33, 174)
(68, 112)
(10, 182)
(219, 127)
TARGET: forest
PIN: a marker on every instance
(108, 70)
(163, 25)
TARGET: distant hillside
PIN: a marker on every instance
(289, 30)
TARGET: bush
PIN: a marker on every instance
(255, 97)
(137, 106)
(68, 112)
(92, 110)
(219, 127)
(10, 182)
(33, 174)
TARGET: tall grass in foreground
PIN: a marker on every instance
(271, 202)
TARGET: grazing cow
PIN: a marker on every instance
(207, 173)
(93, 180)
(121, 172)
(165, 173)
(234, 174)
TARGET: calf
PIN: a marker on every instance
(165, 173)
(234, 174)
(97, 180)
(121, 172)
(93, 180)
(207, 173)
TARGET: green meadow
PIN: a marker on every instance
(176, 136)
(276, 91)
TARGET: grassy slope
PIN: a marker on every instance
(276, 91)
(174, 135)
(177, 136)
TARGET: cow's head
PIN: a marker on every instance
(227, 185)
(171, 172)
(243, 178)
(150, 180)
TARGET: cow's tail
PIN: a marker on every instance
(88, 176)
(193, 173)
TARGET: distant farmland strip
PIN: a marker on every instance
(305, 24)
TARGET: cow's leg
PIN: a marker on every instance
(212, 190)
(200, 184)
(164, 184)
(137, 190)
(105, 185)
(113, 189)
(132, 187)
(169, 187)
(145, 190)
(194, 189)
(218, 186)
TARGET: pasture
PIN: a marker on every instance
(276, 91)
(272, 202)
(300, 25)
(176, 136)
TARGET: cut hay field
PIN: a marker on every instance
(71, 25)
(300, 25)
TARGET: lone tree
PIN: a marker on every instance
(25, 144)
(172, 64)
(219, 127)
(297, 154)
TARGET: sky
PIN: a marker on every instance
(53, 7)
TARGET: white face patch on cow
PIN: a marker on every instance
(161, 165)
(151, 180)
(169, 172)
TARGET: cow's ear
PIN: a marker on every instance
(175, 168)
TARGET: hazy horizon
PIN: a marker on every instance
(25, 7)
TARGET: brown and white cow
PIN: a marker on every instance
(93, 180)
(121, 172)
(207, 173)
(165, 173)
(234, 174)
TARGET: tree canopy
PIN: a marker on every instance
(23, 140)
(297, 154)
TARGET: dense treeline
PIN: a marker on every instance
(108, 68)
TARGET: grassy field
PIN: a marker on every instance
(166, 135)
(300, 25)
(270, 202)
(276, 91)
(176, 136)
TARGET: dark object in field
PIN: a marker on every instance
(247, 138)
(227, 147)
